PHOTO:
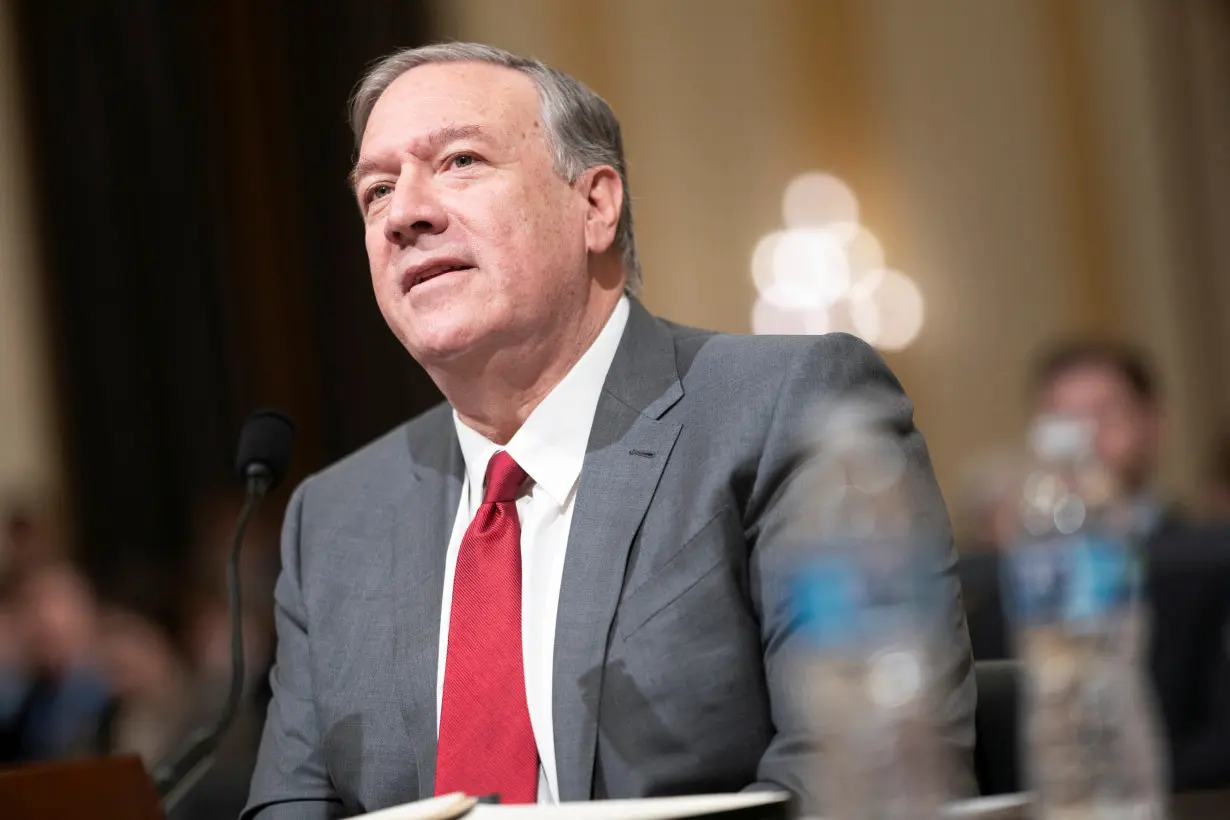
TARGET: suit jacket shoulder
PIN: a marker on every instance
(751, 363)
(401, 450)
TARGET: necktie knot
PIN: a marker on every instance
(504, 478)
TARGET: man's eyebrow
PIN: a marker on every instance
(435, 140)
(361, 169)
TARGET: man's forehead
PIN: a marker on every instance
(1087, 383)
(444, 94)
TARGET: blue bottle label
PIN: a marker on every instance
(840, 601)
(827, 597)
(1069, 579)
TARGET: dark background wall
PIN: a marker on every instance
(202, 251)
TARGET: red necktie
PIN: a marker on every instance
(486, 742)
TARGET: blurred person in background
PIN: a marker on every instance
(162, 690)
(143, 657)
(224, 790)
(1114, 385)
(64, 693)
(210, 622)
(32, 535)
(209, 639)
(207, 634)
(1187, 566)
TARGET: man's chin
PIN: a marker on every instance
(446, 346)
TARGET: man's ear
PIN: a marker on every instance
(604, 196)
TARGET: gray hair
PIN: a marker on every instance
(582, 130)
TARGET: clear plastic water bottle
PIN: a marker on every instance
(1073, 580)
(865, 669)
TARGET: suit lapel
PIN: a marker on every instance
(420, 544)
(628, 448)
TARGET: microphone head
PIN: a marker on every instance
(265, 445)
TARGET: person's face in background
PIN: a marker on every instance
(136, 657)
(56, 619)
(210, 643)
(1129, 429)
(455, 170)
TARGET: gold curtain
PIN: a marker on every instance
(29, 453)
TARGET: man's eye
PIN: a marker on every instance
(376, 191)
(464, 161)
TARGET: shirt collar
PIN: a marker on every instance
(550, 446)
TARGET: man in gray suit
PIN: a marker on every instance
(570, 581)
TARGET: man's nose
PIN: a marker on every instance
(415, 210)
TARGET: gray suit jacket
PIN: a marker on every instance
(673, 627)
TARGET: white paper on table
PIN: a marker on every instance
(457, 805)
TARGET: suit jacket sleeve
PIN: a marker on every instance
(831, 366)
(291, 780)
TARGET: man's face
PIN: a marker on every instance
(474, 241)
(1128, 428)
(55, 618)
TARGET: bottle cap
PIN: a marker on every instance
(1057, 437)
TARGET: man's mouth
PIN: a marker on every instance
(433, 272)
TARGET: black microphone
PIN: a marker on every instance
(261, 460)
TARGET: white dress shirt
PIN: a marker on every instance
(550, 447)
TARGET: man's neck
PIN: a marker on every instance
(496, 400)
